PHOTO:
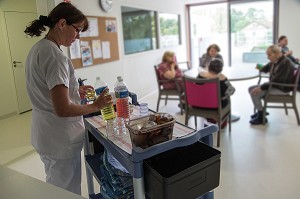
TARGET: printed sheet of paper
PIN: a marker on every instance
(106, 49)
(97, 50)
(93, 28)
(75, 50)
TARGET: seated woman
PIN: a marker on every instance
(169, 70)
(283, 42)
(215, 68)
(212, 52)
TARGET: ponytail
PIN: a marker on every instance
(38, 26)
(64, 10)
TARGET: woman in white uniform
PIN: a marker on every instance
(57, 131)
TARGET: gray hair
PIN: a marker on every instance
(275, 49)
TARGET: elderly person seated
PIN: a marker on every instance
(283, 42)
(211, 52)
(215, 68)
(281, 70)
(169, 70)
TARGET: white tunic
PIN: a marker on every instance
(53, 136)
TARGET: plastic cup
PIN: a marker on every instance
(120, 129)
(143, 109)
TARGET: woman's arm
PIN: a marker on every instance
(65, 108)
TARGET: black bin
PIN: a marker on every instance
(185, 172)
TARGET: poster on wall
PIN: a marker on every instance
(87, 58)
(97, 51)
(106, 49)
(111, 25)
(75, 50)
(92, 31)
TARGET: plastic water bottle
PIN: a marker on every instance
(122, 96)
(107, 112)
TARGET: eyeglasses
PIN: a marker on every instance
(77, 29)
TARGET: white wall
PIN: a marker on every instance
(289, 16)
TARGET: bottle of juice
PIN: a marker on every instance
(108, 112)
(122, 98)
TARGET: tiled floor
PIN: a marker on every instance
(259, 162)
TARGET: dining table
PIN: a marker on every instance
(233, 73)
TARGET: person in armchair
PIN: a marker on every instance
(283, 42)
(215, 68)
(281, 70)
(168, 70)
(211, 52)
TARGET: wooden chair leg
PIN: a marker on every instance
(166, 100)
(158, 101)
(186, 119)
(286, 111)
(229, 122)
(264, 114)
(296, 113)
(218, 138)
(181, 105)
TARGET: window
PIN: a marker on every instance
(242, 29)
(169, 30)
(139, 30)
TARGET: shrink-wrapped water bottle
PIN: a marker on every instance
(122, 97)
(107, 112)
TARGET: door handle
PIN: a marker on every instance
(16, 62)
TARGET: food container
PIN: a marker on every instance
(151, 129)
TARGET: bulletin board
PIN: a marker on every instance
(97, 45)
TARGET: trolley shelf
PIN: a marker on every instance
(93, 163)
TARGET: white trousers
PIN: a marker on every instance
(64, 173)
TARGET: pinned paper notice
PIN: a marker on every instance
(97, 51)
(106, 49)
(75, 50)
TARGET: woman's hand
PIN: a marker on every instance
(173, 65)
(82, 90)
(103, 100)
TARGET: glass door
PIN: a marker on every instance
(208, 25)
(251, 28)
(242, 30)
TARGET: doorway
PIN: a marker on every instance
(19, 46)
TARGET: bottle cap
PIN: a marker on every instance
(120, 78)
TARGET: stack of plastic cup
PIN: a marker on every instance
(143, 109)
(110, 127)
(120, 129)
